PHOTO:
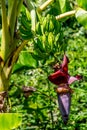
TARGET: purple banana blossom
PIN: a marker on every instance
(62, 79)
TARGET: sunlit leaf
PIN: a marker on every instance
(81, 16)
(82, 4)
(26, 61)
(10, 121)
(64, 5)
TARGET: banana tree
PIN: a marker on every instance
(11, 43)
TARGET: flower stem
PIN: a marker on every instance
(42, 7)
(70, 13)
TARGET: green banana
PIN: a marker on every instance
(51, 40)
(51, 26)
(29, 36)
(25, 23)
(38, 44)
(44, 24)
(24, 31)
(44, 39)
(38, 28)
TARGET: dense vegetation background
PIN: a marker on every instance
(40, 109)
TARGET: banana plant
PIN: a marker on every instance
(12, 43)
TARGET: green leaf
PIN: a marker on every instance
(10, 121)
(64, 5)
(82, 4)
(25, 61)
(81, 16)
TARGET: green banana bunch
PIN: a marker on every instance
(25, 28)
(49, 24)
(47, 37)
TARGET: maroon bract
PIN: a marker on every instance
(62, 79)
(61, 76)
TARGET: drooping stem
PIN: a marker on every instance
(13, 58)
(70, 13)
(16, 53)
(43, 6)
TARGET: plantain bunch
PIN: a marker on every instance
(25, 27)
(48, 37)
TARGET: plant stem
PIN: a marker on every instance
(19, 6)
(5, 33)
(12, 15)
(12, 59)
(4, 81)
(31, 8)
(70, 13)
(42, 7)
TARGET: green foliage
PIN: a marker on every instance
(0, 19)
(82, 4)
(9, 121)
(81, 16)
(64, 5)
(25, 61)
(50, 40)
(41, 106)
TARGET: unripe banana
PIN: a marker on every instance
(51, 40)
(38, 28)
(51, 26)
(44, 42)
(44, 24)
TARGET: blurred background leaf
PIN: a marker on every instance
(25, 61)
(82, 4)
(9, 121)
(81, 16)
